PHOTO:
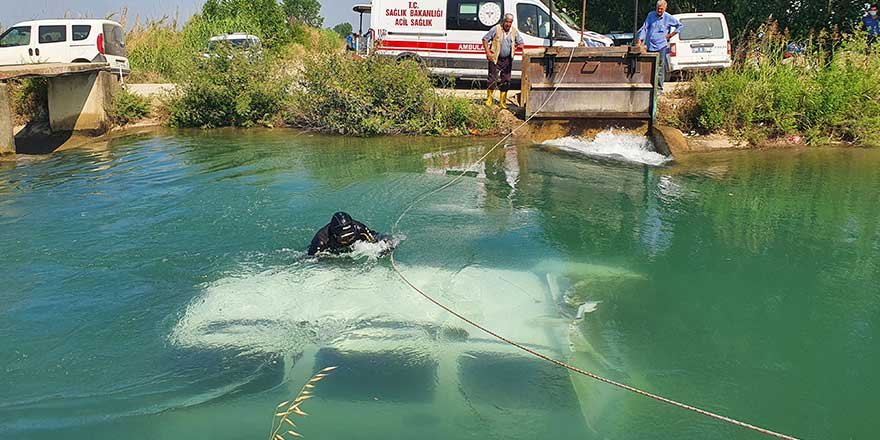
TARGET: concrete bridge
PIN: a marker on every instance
(79, 95)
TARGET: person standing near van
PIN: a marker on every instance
(658, 28)
(500, 43)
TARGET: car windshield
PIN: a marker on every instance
(562, 15)
(238, 43)
(703, 28)
(17, 36)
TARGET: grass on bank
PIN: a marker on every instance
(334, 93)
(830, 93)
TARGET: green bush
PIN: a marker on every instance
(830, 93)
(345, 95)
(128, 107)
(230, 88)
(30, 100)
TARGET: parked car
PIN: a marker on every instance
(703, 44)
(249, 44)
(65, 41)
(621, 38)
(447, 35)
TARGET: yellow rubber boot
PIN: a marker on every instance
(490, 97)
(503, 101)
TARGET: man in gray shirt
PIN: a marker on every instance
(499, 44)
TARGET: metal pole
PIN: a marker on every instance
(635, 21)
(361, 30)
(550, 58)
(583, 24)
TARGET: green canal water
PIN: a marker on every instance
(156, 288)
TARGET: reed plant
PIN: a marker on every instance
(157, 51)
(282, 424)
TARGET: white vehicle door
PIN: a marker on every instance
(83, 45)
(16, 46)
(703, 40)
(534, 24)
(51, 45)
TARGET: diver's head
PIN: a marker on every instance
(342, 228)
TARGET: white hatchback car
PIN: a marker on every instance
(702, 44)
(249, 43)
(65, 41)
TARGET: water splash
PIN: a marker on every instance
(609, 144)
(373, 251)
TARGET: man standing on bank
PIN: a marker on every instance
(500, 43)
(659, 27)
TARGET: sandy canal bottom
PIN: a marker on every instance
(158, 288)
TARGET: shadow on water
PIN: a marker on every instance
(37, 139)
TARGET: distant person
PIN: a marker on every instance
(872, 25)
(528, 27)
(499, 44)
(340, 234)
(657, 30)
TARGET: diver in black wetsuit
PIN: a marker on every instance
(342, 232)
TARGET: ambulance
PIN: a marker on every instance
(446, 35)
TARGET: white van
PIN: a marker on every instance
(65, 41)
(702, 44)
(447, 35)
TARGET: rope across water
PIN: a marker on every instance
(395, 229)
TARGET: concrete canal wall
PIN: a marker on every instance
(7, 136)
(79, 96)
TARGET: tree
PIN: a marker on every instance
(799, 16)
(343, 29)
(307, 12)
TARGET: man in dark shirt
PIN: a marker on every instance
(340, 234)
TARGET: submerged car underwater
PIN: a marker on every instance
(393, 346)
